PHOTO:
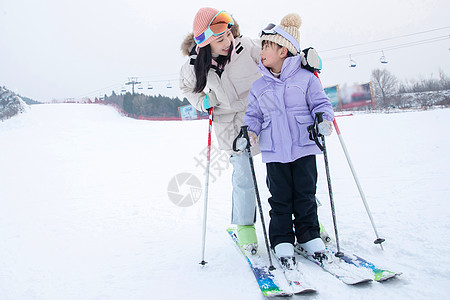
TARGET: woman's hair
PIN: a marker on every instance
(203, 63)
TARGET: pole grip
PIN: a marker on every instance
(313, 130)
(243, 133)
(244, 130)
(319, 116)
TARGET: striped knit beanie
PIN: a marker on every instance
(291, 24)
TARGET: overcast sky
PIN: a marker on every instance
(56, 49)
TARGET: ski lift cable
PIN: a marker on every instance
(159, 75)
(164, 77)
(120, 86)
(164, 80)
(410, 44)
(114, 86)
(383, 40)
(431, 40)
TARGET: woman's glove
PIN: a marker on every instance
(210, 100)
(325, 127)
(241, 143)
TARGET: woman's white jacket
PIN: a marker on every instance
(231, 87)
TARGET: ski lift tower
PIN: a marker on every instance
(133, 81)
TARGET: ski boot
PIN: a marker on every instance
(316, 249)
(285, 254)
(247, 238)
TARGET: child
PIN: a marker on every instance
(282, 103)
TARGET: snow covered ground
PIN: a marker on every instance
(85, 211)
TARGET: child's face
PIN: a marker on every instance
(222, 44)
(272, 56)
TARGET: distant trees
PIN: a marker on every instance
(128, 103)
(151, 106)
(427, 85)
(389, 92)
(29, 101)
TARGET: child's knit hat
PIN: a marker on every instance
(291, 24)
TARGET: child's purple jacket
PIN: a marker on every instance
(281, 109)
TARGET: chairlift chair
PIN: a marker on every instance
(169, 85)
(352, 62)
(383, 58)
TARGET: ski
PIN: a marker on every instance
(294, 277)
(378, 274)
(271, 283)
(347, 273)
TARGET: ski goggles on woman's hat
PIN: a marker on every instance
(272, 29)
(218, 25)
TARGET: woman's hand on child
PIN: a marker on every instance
(325, 127)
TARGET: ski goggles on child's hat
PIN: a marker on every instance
(218, 25)
(274, 29)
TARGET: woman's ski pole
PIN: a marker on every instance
(314, 135)
(244, 133)
(363, 197)
(205, 205)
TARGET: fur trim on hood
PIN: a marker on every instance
(189, 42)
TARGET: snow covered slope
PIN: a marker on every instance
(85, 213)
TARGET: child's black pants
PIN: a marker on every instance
(293, 204)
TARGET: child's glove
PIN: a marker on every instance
(311, 60)
(325, 127)
(210, 100)
(253, 138)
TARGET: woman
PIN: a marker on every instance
(221, 68)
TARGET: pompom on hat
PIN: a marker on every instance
(201, 22)
(291, 24)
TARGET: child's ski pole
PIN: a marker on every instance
(314, 135)
(363, 197)
(355, 177)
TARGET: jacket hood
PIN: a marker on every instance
(189, 42)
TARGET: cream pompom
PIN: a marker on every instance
(291, 20)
